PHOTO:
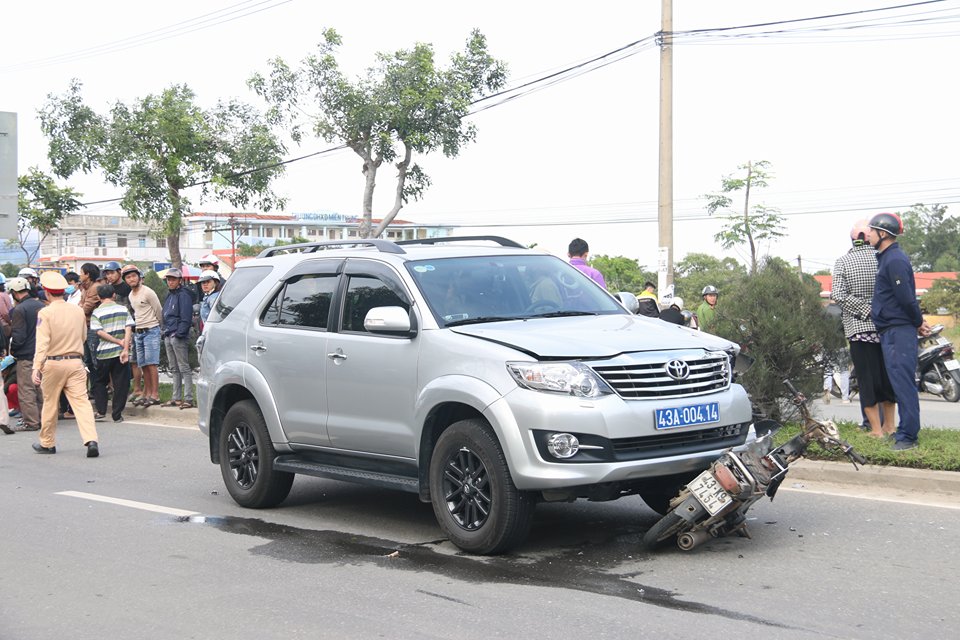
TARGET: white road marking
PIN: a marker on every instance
(878, 495)
(133, 504)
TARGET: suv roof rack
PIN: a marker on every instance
(503, 242)
(310, 247)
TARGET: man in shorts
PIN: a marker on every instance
(147, 313)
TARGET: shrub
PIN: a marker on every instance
(778, 320)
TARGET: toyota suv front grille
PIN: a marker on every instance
(673, 378)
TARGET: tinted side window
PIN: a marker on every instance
(303, 302)
(238, 286)
(365, 293)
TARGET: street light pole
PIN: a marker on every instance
(665, 200)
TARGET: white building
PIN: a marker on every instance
(100, 238)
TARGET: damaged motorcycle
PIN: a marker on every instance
(715, 503)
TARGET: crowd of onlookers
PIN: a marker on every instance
(119, 324)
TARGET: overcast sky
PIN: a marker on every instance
(854, 121)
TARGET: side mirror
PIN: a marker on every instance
(388, 320)
(629, 301)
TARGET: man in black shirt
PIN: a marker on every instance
(23, 343)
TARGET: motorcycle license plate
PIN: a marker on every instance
(687, 416)
(952, 365)
(709, 493)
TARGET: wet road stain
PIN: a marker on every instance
(586, 568)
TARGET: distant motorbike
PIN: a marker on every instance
(938, 371)
(715, 503)
(835, 384)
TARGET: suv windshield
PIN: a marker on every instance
(487, 289)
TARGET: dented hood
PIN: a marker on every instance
(584, 337)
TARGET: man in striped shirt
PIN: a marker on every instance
(114, 325)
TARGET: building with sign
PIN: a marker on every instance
(100, 238)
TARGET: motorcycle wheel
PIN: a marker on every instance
(664, 529)
(951, 386)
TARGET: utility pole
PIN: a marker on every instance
(233, 243)
(665, 201)
(799, 268)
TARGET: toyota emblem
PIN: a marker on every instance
(678, 369)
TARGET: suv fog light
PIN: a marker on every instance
(563, 445)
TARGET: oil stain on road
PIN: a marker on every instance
(590, 568)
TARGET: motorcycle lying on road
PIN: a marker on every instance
(938, 371)
(715, 503)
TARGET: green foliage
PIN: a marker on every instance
(252, 250)
(778, 320)
(943, 294)
(161, 145)
(755, 224)
(9, 269)
(152, 280)
(42, 205)
(405, 104)
(939, 448)
(931, 238)
(697, 270)
(621, 273)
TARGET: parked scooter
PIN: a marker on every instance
(938, 371)
(715, 503)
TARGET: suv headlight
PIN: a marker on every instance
(571, 378)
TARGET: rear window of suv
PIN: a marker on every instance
(242, 282)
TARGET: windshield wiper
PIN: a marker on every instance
(563, 314)
(480, 320)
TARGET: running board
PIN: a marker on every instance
(294, 464)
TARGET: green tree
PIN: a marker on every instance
(404, 105)
(158, 147)
(253, 250)
(755, 223)
(779, 321)
(42, 206)
(931, 238)
(9, 269)
(621, 273)
(697, 270)
(944, 294)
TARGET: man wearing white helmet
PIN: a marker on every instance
(209, 282)
(211, 262)
(33, 278)
(673, 312)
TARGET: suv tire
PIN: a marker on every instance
(246, 459)
(473, 495)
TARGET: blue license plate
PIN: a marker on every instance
(687, 416)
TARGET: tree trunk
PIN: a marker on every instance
(402, 167)
(173, 229)
(746, 220)
(370, 166)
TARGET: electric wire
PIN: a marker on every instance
(205, 21)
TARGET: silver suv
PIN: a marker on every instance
(485, 377)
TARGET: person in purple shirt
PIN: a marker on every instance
(578, 251)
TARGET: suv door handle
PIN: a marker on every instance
(337, 356)
(258, 348)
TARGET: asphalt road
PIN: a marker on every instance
(935, 412)
(343, 561)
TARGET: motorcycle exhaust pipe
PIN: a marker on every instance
(690, 539)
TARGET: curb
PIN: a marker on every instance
(164, 416)
(899, 478)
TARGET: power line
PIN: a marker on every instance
(177, 29)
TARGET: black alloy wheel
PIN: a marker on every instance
(466, 489)
(246, 459)
(242, 456)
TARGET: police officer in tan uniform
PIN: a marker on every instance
(58, 366)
